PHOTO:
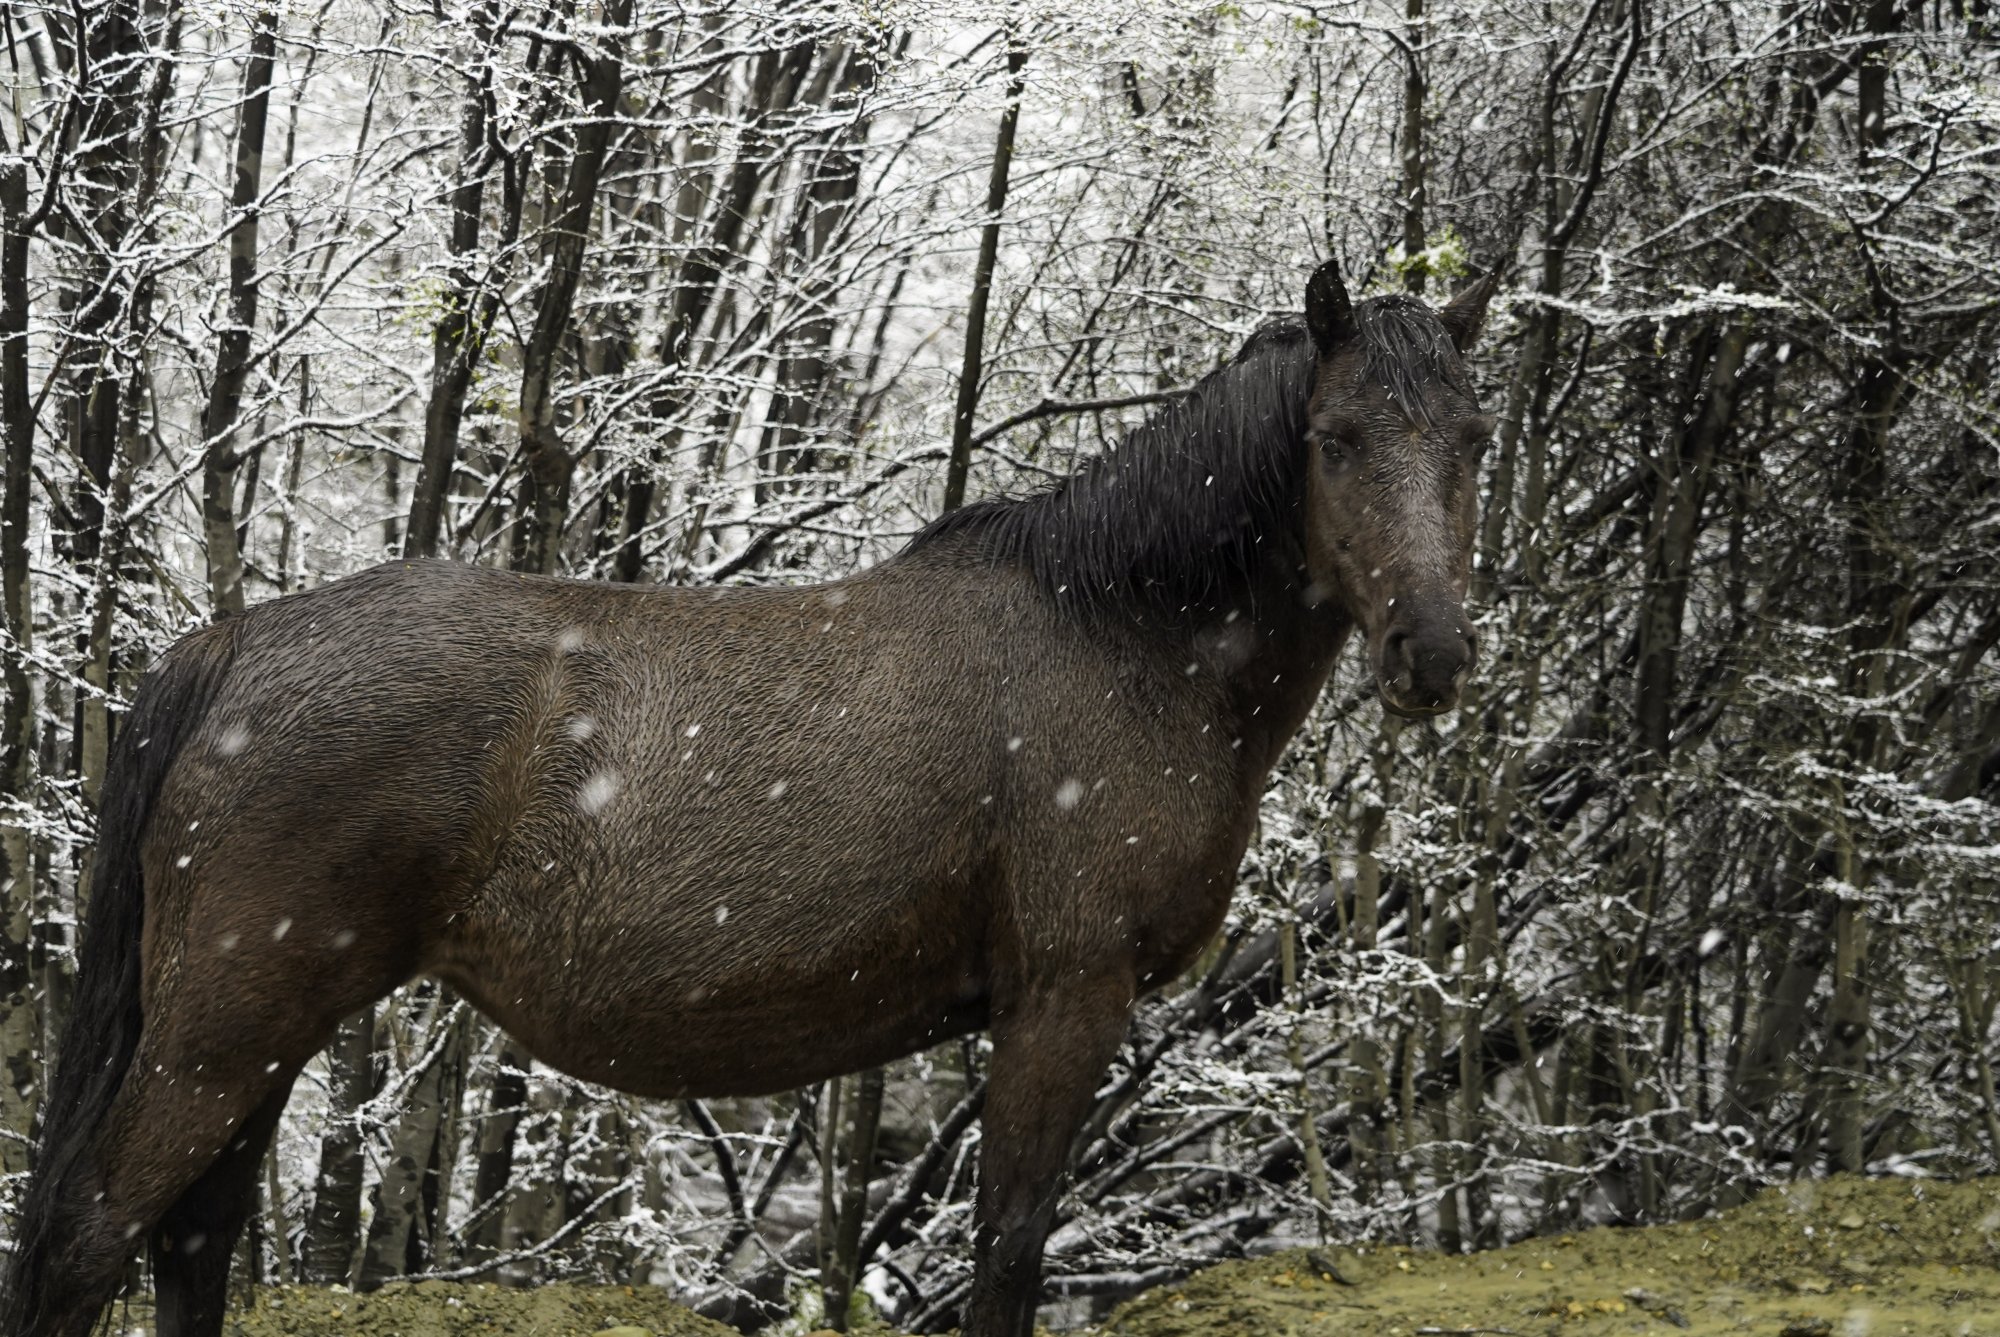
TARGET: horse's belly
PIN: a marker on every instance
(745, 999)
(750, 1042)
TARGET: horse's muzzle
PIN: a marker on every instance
(1424, 665)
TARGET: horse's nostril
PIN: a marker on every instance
(1427, 661)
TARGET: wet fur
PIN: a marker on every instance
(703, 842)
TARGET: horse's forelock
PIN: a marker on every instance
(1406, 350)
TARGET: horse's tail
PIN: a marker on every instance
(102, 1031)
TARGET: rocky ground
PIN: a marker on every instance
(1850, 1258)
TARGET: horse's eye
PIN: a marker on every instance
(1340, 438)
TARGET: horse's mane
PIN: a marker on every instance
(1175, 516)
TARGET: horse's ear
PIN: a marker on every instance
(1464, 314)
(1329, 312)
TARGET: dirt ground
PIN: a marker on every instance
(1848, 1258)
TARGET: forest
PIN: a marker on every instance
(1697, 892)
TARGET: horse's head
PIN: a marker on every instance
(1394, 440)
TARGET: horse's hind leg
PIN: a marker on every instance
(170, 1126)
(1050, 1049)
(175, 1158)
(195, 1240)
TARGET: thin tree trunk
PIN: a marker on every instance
(857, 1162)
(1777, 1014)
(20, 1022)
(591, 1175)
(973, 366)
(392, 489)
(1371, 1132)
(1315, 1159)
(534, 1211)
(119, 152)
(1413, 146)
(461, 331)
(288, 501)
(280, 1225)
(545, 486)
(1845, 1062)
(506, 1100)
(796, 404)
(774, 89)
(101, 182)
(407, 1223)
(333, 1228)
(232, 356)
(1686, 463)
(1875, 588)
(1437, 949)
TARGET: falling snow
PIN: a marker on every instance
(598, 792)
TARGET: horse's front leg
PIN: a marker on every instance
(1050, 1049)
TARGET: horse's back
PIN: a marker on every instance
(443, 705)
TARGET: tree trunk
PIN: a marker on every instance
(408, 1220)
(1315, 1158)
(506, 1100)
(545, 484)
(842, 1218)
(118, 147)
(232, 354)
(1412, 146)
(1371, 1132)
(333, 1229)
(1875, 588)
(287, 572)
(973, 366)
(774, 89)
(835, 179)
(280, 1222)
(534, 1211)
(461, 331)
(20, 1020)
(101, 183)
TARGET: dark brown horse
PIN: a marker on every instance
(732, 841)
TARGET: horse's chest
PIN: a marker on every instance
(1178, 894)
(1141, 861)
(1177, 923)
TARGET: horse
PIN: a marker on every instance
(723, 842)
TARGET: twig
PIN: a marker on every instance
(732, 1182)
(1049, 408)
(569, 1228)
(757, 547)
(917, 1180)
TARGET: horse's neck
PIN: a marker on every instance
(1275, 650)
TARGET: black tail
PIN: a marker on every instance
(102, 1031)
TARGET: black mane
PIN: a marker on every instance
(1181, 514)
